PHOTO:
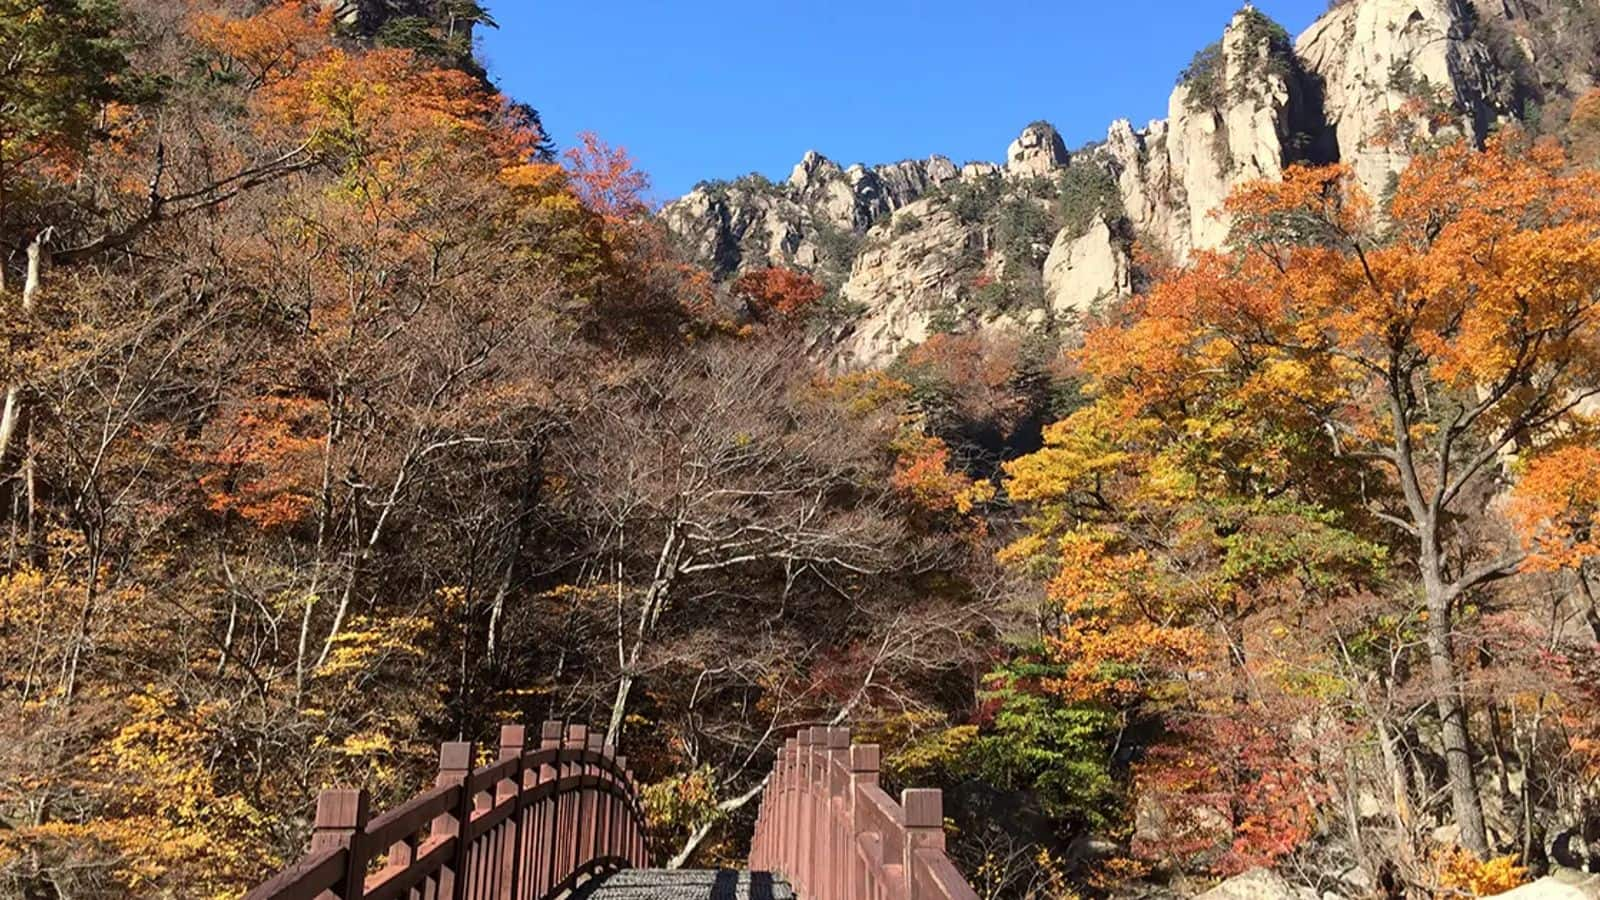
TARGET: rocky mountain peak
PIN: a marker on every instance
(1039, 150)
(922, 246)
(812, 168)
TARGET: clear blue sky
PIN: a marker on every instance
(700, 89)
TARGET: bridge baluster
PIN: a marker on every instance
(508, 834)
(549, 809)
(606, 803)
(924, 831)
(859, 862)
(837, 780)
(592, 817)
(455, 766)
(619, 827)
(341, 820)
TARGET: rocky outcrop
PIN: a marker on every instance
(1397, 71)
(811, 221)
(1367, 84)
(1084, 272)
(369, 16)
(909, 271)
(1146, 183)
(1038, 151)
(1244, 112)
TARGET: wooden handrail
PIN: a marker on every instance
(832, 831)
(533, 824)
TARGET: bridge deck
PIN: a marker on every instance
(708, 884)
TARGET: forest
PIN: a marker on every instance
(344, 414)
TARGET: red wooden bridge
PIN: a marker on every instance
(564, 819)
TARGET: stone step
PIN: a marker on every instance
(686, 884)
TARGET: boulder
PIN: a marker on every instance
(1256, 884)
(1563, 884)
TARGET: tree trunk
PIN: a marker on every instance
(1591, 613)
(11, 411)
(1464, 800)
(619, 708)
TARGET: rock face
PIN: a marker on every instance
(1366, 84)
(1039, 150)
(1244, 112)
(368, 16)
(1085, 271)
(1389, 67)
(811, 221)
(902, 280)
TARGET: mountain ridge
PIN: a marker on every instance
(916, 247)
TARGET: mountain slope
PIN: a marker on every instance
(1032, 245)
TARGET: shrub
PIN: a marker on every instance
(1083, 191)
(905, 223)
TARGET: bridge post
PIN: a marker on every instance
(619, 828)
(549, 819)
(606, 845)
(864, 760)
(512, 740)
(838, 782)
(455, 767)
(800, 820)
(577, 805)
(587, 850)
(924, 809)
(341, 821)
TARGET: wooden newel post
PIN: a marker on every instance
(341, 822)
(577, 802)
(619, 829)
(800, 831)
(549, 827)
(455, 768)
(606, 845)
(924, 808)
(836, 809)
(783, 827)
(513, 740)
(864, 761)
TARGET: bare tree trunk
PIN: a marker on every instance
(1427, 508)
(524, 530)
(655, 600)
(1464, 799)
(11, 411)
(701, 831)
(324, 520)
(69, 676)
(1591, 613)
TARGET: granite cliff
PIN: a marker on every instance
(1042, 239)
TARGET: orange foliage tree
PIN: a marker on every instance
(777, 292)
(1337, 395)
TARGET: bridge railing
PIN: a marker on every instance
(533, 824)
(827, 825)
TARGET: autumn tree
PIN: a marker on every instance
(1363, 375)
(776, 293)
